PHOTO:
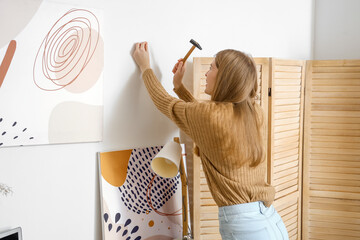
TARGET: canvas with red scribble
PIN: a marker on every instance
(136, 203)
(51, 76)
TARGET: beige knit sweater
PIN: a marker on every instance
(207, 124)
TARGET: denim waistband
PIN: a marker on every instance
(242, 208)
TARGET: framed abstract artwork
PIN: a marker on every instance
(135, 202)
(51, 77)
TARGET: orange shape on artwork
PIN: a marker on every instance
(5, 64)
(151, 223)
(114, 166)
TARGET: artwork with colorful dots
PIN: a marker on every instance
(135, 202)
(51, 74)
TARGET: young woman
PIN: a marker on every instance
(228, 133)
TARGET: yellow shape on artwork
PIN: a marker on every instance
(114, 166)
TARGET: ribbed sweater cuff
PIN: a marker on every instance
(147, 72)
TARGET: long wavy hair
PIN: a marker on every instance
(236, 82)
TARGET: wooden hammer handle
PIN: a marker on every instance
(188, 54)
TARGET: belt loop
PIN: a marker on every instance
(261, 207)
(226, 219)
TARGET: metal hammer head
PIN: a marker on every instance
(195, 44)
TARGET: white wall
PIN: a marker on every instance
(56, 194)
(337, 29)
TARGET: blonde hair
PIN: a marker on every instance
(236, 82)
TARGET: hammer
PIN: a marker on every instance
(195, 44)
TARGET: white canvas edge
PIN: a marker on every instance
(101, 197)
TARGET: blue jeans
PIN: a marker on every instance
(251, 221)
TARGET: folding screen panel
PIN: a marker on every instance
(285, 140)
(206, 224)
(205, 211)
(331, 186)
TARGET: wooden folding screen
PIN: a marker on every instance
(285, 140)
(325, 194)
(331, 186)
(204, 210)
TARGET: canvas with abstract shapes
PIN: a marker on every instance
(51, 76)
(135, 202)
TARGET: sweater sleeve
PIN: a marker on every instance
(172, 107)
(184, 94)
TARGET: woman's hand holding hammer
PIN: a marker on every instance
(178, 70)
